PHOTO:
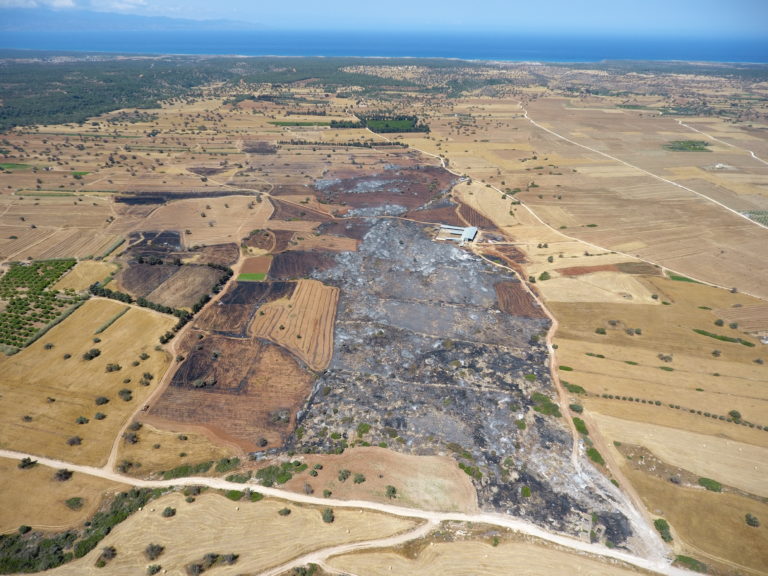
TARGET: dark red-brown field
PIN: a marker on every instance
(514, 299)
(297, 264)
(474, 218)
(446, 215)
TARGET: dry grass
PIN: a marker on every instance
(709, 525)
(84, 274)
(160, 449)
(47, 510)
(733, 463)
(303, 324)
(426, 482)
(226, 219)
(255, 531)
(470, 558)
(53, 391)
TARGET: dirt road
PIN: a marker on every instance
(656, 563)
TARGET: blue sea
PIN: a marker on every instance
(467, 46)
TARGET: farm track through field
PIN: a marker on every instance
(642, 170)
(723, 142)
(658, 562)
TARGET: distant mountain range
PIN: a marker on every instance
(61, 21)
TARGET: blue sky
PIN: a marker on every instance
(721, 18)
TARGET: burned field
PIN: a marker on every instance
(426, 362)
(233, 313)
(242, 391)
(397, 189)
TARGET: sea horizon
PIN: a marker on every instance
(491, 46)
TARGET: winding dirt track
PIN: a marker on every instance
(656, 563)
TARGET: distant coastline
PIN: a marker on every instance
(467, 46)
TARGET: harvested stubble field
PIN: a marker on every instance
(242, 391)
(303, 324)
(427, 482)
(215, 524)
(733, 463)
(708, 525)
(467, 558)
(211, 220)
(44, 393)
(48, 509)
(160, 449)
(84, 274)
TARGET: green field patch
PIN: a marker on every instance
(724, 338)
(14, 166)
(252, 277)
(679, 278)
(687, 146)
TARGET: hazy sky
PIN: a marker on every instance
(723, 18)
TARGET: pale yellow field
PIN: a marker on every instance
(47, 510)
(733, 463)
(426, 482)
(159, 450)
(212, 523)
(707, 525)
(596, 287)
(473, 558)
(53, 391)
(84, 274)
(226, 219)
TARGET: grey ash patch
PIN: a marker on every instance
(424, 356)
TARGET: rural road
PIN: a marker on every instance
(657, 563)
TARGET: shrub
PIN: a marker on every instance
(663, 528)
(525, 491)
(101, 400)
(328, 516)
(359, 478)
(691, 563)
(75, 503)
(284, 511)
(391, 492)
(735, 414)
(595, 456)
(153, 551)
(125, 394)
(600, 331)
(169, 512)
(91, 354)
(153, 569)
(752, 521)
(74, 441)
(581, 427)
(344, 475)
(27, 462)
(578, 408)
(711, 485)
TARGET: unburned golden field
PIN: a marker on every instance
(45, 393)
(213, 524)
(469, 558)
(48, 509)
